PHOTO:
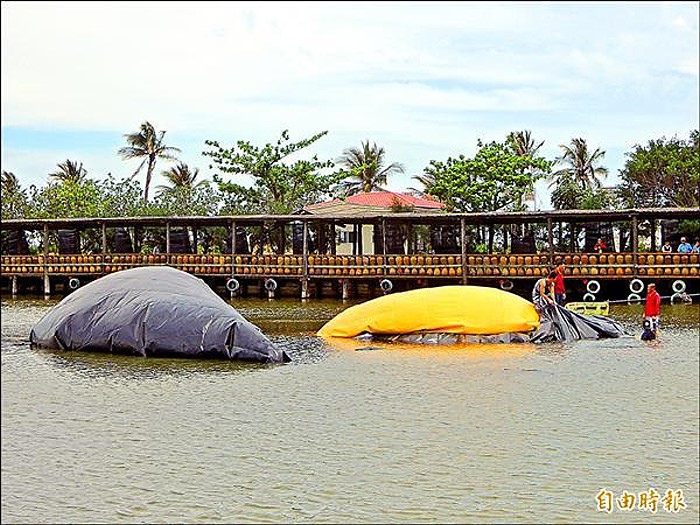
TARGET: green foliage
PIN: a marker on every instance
(596, 200)
(122, 198)
(202, 200)
(690, 229)
(569, 195)
(67, 199)
(69, 171)
(14, 198)
(185, 196)
(523, 143)
(147, 144)
(181, 177)
(278, 186)
(580, 166)
(496, 179)
(86, 198)
(366, 170)
(398, 207)
(664, 173)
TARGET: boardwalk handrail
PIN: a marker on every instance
(479, 218)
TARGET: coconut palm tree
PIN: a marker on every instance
(14, 200)
(427, 180)
(10, 182)
(368, 172)
(580, 166)
(147, 144)
(69, 171)
(180, 178)
(523, 144)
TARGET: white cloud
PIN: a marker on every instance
(423, 79)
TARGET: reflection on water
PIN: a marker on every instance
(350, 431)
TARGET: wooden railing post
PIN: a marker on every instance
(167, 241)
(233, 248)
(47, 279)
(463, 233)
(383, 224)
(305, 250)
(104, 246)
(305, 261)
(635, 249)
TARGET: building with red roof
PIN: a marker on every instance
(376, 202)
(353, 239)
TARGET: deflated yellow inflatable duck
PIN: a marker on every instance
(466, 310)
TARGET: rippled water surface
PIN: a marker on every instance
(350, 432)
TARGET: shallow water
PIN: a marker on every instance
(351, 432)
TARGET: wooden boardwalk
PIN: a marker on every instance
(374, 272)
(305, 270)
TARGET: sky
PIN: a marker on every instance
(423, 80)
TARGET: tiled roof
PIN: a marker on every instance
(385, 199)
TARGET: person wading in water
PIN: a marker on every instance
(543, 292)
(652, 308)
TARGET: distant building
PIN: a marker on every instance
(353, 240)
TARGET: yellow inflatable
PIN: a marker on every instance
(472, 310)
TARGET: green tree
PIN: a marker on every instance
(664, 173)
(87, 198)
(523, 145)
(204, 200)
(579, 165)
(14, 197)
(366, 169)
(180, 177)
(278, 186)
(495, 179)
(69, 171)
(185, 195)
(567, 195)
(70, 198)
(147, 144)
(122, 198)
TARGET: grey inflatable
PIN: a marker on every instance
(153, 311)
(559, 324)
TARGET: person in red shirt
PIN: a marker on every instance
(559, 287)
(652, 308)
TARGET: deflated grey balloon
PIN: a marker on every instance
(153, 311)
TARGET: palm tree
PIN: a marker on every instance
(427, 180)
(581, 166)
(367, 170)
(69, 171)
(147, 144)
(522, 143)
(180, 178)
(14, 199)
(10, 182)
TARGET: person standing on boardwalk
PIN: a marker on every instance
(559, 287)
(543, 292)
(652, 308)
